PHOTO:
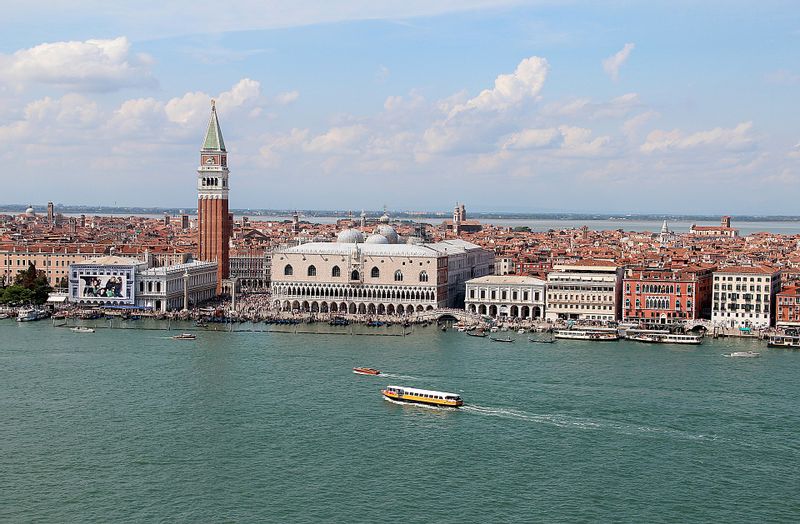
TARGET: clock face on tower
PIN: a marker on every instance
(209, 161)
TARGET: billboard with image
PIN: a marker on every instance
(107, 287)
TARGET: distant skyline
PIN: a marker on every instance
(509, 106)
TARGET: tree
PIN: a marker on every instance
(17, 295)
(30, 280)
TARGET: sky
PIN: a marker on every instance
(506, 105)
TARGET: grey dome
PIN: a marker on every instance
(375, 238)
(388, 232)
(350, 236)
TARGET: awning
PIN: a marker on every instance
(57, 298)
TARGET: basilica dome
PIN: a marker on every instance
(375, 238)
(30, 212)
(350, 236)
(388, 232)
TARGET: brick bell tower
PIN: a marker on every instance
(213, 221)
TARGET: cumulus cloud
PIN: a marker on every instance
(525, 82)
(613, 63)
(738, 138)
(90, 65)
(193, 107)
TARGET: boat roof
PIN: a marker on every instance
(425, 391)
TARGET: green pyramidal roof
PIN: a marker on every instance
(214, 139)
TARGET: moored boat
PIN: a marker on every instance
(30, 314)
(783, 341)
(665, 338)
(184, 336)
(586, 334)
(366, 371)
(422, 396)
(479, 334)
(82, 329)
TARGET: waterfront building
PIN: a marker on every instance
(104, 281)
(787, 307)
(744, 296)
(653, 294)
(251, 268)
(506, 296)
(127, 281)
(214, 222)
(374, 275)
(723, 230)
(52, 261)
(176, 287)
(584, 290)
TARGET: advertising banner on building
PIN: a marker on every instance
(108, 287)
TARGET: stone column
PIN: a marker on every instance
(186, 290)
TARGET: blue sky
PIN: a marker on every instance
(604, 106)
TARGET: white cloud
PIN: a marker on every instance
(526, 81)
(287, 97)
(613, 63)
(532, 139)
(578, 142)
(738, 138)
(191, 108)
(632, 126)
(91, 65)
(336, 140)
(136, 116)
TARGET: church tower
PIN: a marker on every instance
(213, 221)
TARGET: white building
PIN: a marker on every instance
(585, 290)
(744, 296)
(123, 281)
(376, 275)
(506, 296)
(104, 281)
(176, 287)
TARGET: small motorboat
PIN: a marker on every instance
(521, 331)
(743, 354)
(366, 371)
(507, 339)
(479, 334)
(184, 336)
(82, 329)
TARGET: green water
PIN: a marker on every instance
(131, 426)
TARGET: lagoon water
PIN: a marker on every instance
(127, 425)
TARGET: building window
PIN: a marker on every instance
(398, 276)
(354, 275)
(375, 273)
(312, 271)
(423, 276)
(288, 271)
(336, 272)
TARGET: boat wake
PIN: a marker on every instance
(568, 421)
(394, 375)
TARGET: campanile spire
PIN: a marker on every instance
(213, 220)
